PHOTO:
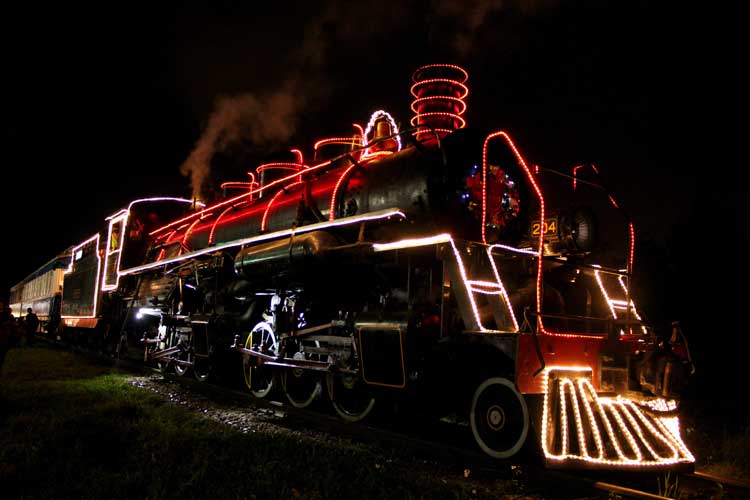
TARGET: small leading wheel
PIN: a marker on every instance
(499, 418)
(301, 387)
(351, 397)
(258, 378)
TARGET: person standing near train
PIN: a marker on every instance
(32, 325)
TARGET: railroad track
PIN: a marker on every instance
(663, 485)
(723, 487)
(415, 438)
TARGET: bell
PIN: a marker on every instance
(383, 129)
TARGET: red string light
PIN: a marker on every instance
(268, 207)
(298, 154)
(238, 185)
(341, 141)
(332, 213)
(537, 190)
(213, 226)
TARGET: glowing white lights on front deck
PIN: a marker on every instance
(624, 421)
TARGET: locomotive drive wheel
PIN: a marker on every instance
(301, 387)
(258, 378)
(351, 397)
(499, 418)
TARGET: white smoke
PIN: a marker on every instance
(262, 120)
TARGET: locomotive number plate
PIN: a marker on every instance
(547, 229)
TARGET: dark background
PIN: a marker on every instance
(104, 105)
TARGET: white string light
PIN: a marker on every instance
(574, 384)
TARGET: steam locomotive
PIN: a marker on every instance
(432, 264)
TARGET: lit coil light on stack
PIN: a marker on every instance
(439, 99)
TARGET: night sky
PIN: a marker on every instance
(103, 106)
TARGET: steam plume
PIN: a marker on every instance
(261, 120)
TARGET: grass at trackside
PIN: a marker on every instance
(719, 450)
(70, 429)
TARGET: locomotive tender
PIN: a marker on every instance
(433, 265)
